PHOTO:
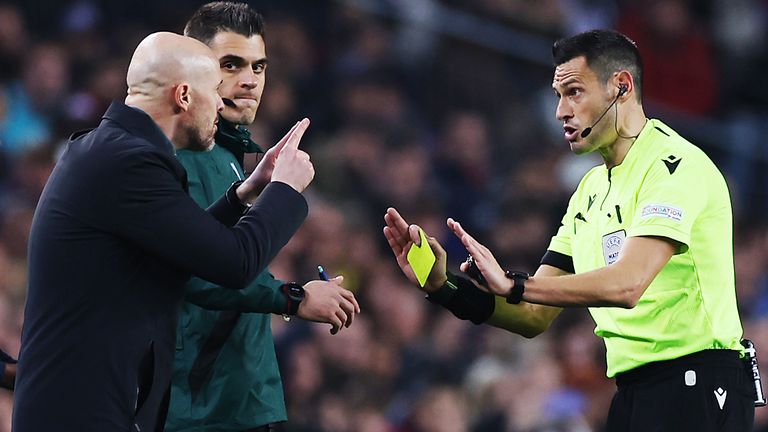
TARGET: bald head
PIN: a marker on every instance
(165, 59)
(175, 80)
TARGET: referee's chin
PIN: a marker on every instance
(238, 116)
(580, 147)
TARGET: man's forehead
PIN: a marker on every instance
(574, 69)
(230, 43)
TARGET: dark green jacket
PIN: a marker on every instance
(244, 389)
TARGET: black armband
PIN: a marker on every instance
(460, 296)
(558, 260)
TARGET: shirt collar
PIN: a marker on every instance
(235, 138)
(636, 150)
(138, 123)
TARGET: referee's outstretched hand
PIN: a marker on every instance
(401, 238)
(495, 277)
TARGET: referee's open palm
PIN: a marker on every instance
(495, 277)
(401, 237)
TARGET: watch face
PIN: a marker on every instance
(295, 292)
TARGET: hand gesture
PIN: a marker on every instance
(495, 277)
(262, 175)
(328, 302)
(292, 166)
(401, 237)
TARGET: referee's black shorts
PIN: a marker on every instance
(707, 391)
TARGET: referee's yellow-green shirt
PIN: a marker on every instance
(665, 187)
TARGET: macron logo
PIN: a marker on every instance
(671, 162)
(720, 395)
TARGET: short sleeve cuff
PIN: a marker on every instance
(662, 231)
(559, 246)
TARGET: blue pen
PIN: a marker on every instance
(322, 273)
(324, 276)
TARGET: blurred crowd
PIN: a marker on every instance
(411, 108)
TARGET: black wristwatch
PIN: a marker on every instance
(518, 288)
(295, 294)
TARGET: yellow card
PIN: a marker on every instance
(421, 259)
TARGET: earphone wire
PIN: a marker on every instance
(616, 125)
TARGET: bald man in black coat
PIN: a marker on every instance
(115, 237)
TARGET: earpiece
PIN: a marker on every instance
(623, 88)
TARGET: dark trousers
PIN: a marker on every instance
(708, 391)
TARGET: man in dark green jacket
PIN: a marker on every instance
(226, 376)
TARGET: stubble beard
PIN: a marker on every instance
(199, 139)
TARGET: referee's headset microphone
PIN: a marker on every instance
(622, 89)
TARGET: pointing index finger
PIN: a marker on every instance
(296, 134)
(280, 144)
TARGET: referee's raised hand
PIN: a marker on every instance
(495, 277)
(401, 237)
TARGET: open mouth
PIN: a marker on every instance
(570, 132)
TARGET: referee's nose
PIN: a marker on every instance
(564, 110)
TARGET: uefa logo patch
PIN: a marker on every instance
(612, 244)
(662, 211)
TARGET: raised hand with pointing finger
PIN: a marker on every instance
(262, 175)
(292, 165)
(284, 163)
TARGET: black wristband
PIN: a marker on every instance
(460, 296)
(445, 293)
(518, 288)
(233, 199)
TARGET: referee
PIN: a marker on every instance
(646, 244)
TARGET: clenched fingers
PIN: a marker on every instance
(350, 298)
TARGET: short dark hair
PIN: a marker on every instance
(212, 18)
(606, 52)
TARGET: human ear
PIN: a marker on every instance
(182, 97)
(624, 83)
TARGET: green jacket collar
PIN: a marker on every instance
(235, 138)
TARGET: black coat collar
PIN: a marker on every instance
(138, 123)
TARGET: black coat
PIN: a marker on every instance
(113, 241)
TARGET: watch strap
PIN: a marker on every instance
(294, 300)
(518, 288)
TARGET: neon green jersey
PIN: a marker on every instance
(665, 187)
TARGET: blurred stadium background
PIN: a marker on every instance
(440, 108)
